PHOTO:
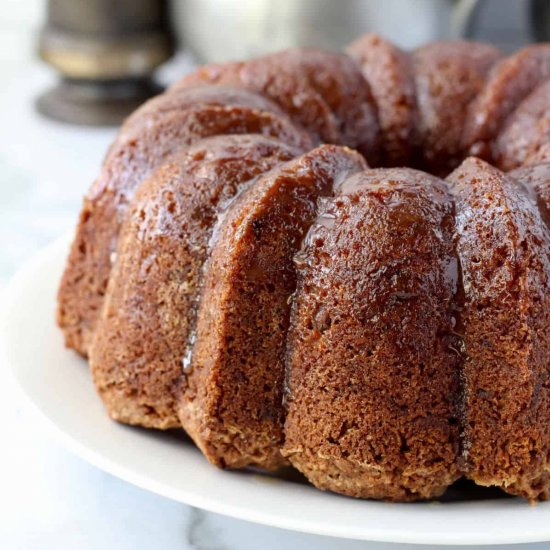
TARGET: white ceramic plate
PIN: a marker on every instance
(59, 385)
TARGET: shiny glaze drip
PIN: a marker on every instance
(324, 221)
(187, 361)
(456, 343)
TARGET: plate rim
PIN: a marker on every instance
(9, 297)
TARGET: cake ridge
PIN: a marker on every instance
(519, 271)
(162, 225)
(252, 259)
(536, 181)
(363, 292)
(509, 83)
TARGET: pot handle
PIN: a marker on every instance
(461, 18)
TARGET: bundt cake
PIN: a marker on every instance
(338, 262)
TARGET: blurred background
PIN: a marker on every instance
(106, 52)
(71, 70)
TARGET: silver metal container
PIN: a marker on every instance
(218, 30)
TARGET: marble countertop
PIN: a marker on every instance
(50, 499)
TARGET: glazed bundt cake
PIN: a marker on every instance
(334, 261)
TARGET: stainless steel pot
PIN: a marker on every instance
(218, 30)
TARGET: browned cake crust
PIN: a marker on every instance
(542, 155)
(322, 91)
(536, 179)
(149, 309)
(232, 405)
(185, 98)
(276, 82)
(448, 76)
(373, 378)
(504, 250)
(539, 148)
(408, 328)
(525, 131)
(339, 80)
(388, 71)
(511, 80)
(130, 160)
(204, 120)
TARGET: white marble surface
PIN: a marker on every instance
(49, 499)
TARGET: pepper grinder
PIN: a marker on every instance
(105, 52)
